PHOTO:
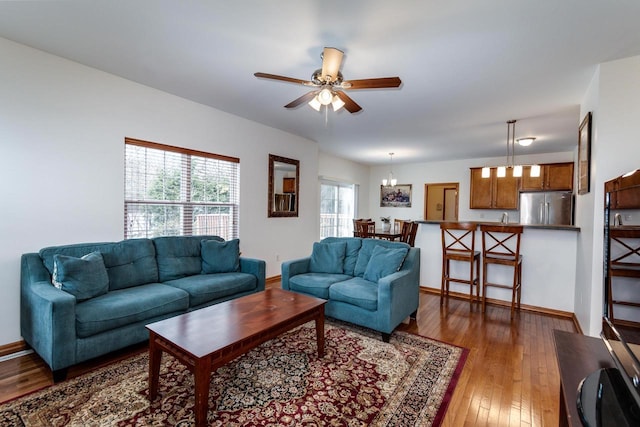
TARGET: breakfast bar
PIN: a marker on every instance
(549, 265)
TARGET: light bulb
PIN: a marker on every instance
(337, 103)
(517, 171)
(486, 172)
(502, 171)
(325, 96)
(315, 104)
(535, 171)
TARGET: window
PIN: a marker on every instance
(171, 191)
(337, 209)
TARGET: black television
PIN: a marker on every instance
(611, 396)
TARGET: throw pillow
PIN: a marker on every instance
(384, 261)
(328, 257)
(83, 278)
(220, 257)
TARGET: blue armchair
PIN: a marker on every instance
(369, 282)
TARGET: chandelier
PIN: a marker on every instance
(390, 181)
(501, 171)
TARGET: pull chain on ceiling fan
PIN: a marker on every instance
(330, 86)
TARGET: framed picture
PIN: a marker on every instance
(584, 154)
(398, 196)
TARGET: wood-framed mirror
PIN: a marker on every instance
(284, 186)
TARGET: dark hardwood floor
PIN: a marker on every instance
(510, 378)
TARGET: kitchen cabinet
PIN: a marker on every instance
(493, 192)
(553, 176)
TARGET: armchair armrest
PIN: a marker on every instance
(257, 267)
(293, 267)
(47, 315)
(400, 291)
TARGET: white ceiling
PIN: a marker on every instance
(467, 66)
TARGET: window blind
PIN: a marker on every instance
(172, 191)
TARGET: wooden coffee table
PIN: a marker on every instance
(208, 338)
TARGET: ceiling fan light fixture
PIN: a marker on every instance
(325, 96)
(315, 104)
(337, 103)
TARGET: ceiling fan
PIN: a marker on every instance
(329, 86)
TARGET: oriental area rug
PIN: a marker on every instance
(360, 381)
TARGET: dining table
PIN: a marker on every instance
(387, 234)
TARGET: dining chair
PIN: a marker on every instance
(501, 246)
(408, 233)
(355, 224)
(365, 229)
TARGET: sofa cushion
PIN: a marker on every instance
(351, 252)
(204, 288)
(367, 249)
(129, 262)
(327, 257)
(84, 277)
(179, 256)
(220, 257)
(316, 284)
(356, 291)
(126, 306)
(384, 261)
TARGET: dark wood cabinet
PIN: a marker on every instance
(288, 185)
(553, 176)
(493, 192)
(624, 191)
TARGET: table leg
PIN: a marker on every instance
(320, 331)
(202, 377)
(155, 356)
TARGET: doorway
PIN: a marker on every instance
(441, 201)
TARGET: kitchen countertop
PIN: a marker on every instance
(532, 226)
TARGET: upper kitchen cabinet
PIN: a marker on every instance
(493, 192)
(553, 176)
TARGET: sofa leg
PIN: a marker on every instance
(59, 375)
(414, 315)
(386, 337)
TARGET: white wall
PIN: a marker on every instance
(62, 130)
(614, 99)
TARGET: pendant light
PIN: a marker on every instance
(501, 171)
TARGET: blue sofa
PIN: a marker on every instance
(84, 300)
(368, 282)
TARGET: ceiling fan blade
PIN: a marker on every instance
(349, 104)
(331, 61)
(284, 79)
(378, 83)
(303, 99)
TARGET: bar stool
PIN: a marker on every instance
(625, 244)
(458, 244)
(501, 246)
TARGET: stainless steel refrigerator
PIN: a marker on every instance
(552, 207)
